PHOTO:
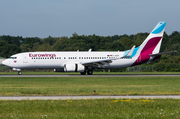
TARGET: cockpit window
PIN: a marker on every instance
(12, 57)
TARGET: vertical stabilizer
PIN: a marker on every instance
(151, 44)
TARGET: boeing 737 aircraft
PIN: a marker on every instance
(87, 61)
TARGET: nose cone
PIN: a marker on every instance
(4, 62)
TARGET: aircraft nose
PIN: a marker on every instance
(4, 62)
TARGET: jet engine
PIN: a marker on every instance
(72, 67)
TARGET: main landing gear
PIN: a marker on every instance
(83, 73)
(19, 72)
(89, 72)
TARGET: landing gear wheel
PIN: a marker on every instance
(19, 73)
(83, 73)
(89, 72)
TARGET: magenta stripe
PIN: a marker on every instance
(147, 50)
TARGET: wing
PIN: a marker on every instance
(98, 63)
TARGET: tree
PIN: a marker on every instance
(6, 50)
(49, 40)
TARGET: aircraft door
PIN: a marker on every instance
(25, 58)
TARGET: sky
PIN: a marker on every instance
(56, 18)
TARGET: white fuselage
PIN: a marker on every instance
(59, 59)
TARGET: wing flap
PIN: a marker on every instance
(98, 63)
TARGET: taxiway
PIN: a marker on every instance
(85, 97)
(106, 75)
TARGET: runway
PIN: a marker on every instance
(106, 75)
(85, 97)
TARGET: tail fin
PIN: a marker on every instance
(151, 44)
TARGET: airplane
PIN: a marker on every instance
(85, 61)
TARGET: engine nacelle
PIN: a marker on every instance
(59, 70)
(72, 67)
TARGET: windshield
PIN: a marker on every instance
(12, 57)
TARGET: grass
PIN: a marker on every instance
(64, 86)
(91, 109)
(77, 73)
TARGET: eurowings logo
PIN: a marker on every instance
(14, 61)
(42, 55)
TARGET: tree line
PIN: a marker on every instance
(10, 45)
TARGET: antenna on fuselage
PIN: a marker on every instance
(89, 50)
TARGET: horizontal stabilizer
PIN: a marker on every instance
(163, 53)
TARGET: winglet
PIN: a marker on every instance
(130, 52)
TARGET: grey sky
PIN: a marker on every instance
(41, 18)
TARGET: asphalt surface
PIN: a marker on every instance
(106, 75)
(85, 97)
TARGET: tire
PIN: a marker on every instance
(83, 73)
(19, 72)
(90, 72)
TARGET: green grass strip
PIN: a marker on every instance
(91, 109)
(65, 86)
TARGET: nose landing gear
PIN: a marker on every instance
(19, 72)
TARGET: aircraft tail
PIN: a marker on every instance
(151, 44)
